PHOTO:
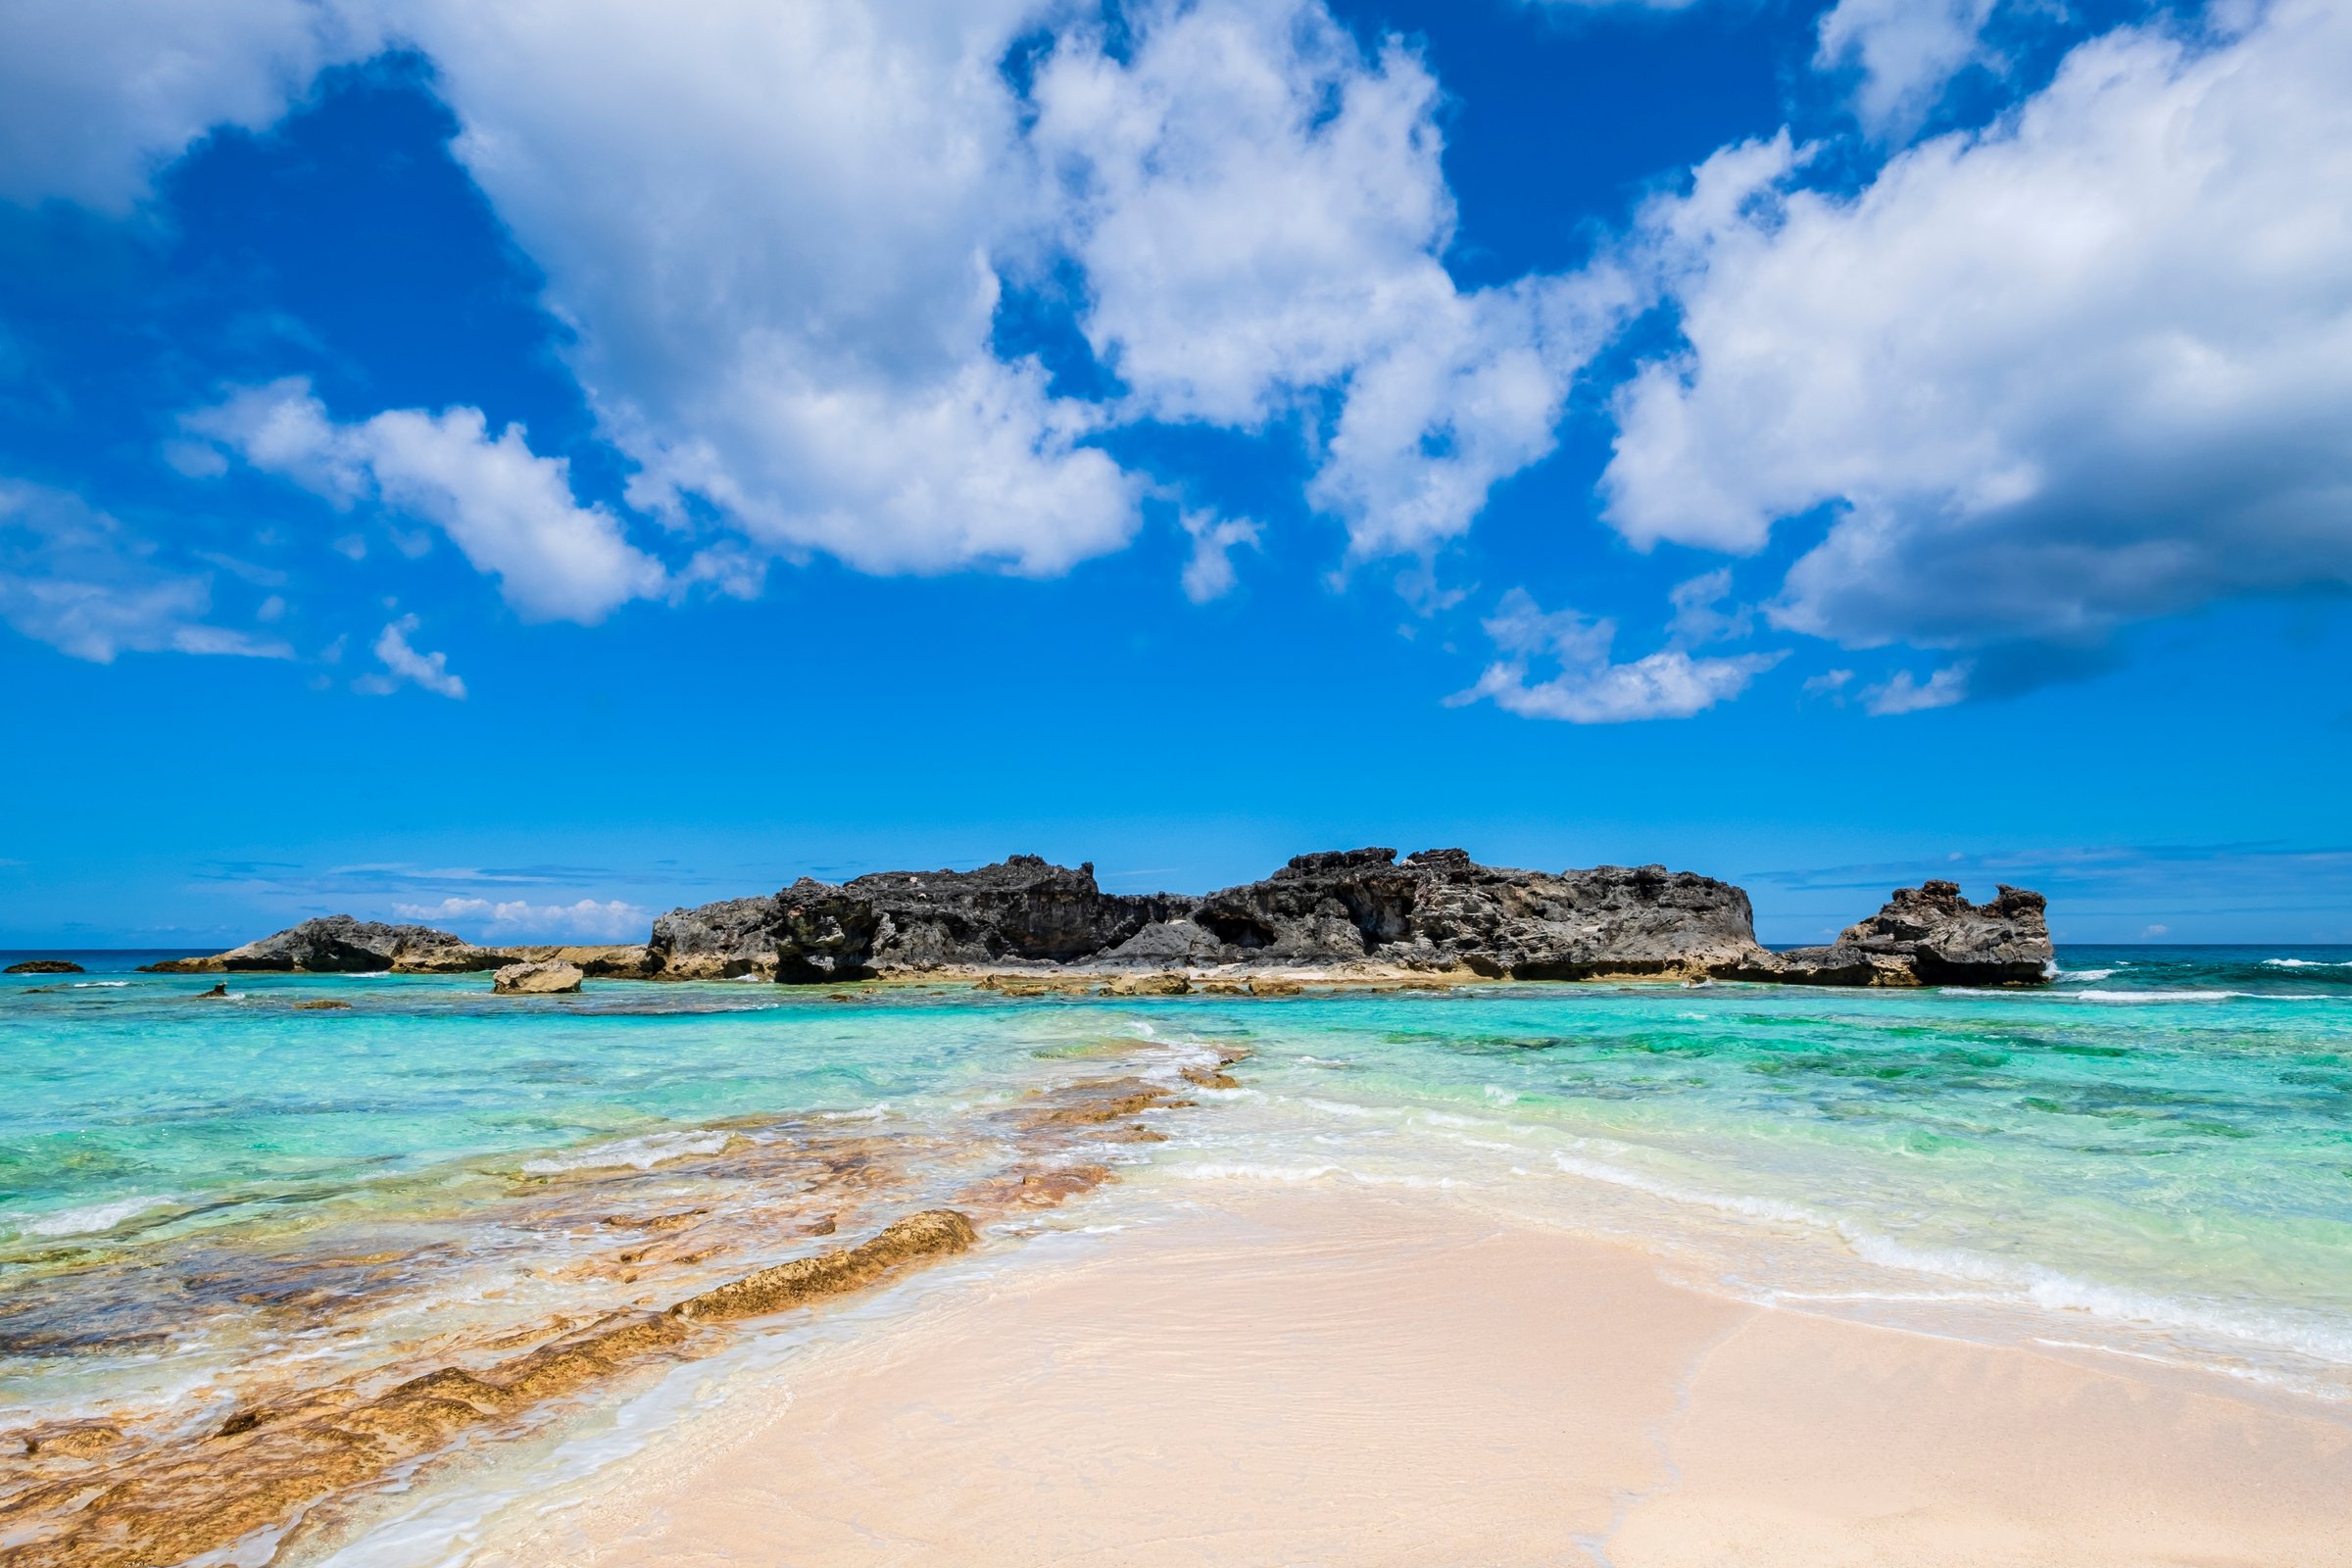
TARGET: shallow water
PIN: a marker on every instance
(2152, 1158)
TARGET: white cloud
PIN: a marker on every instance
(609, 921)
(1829, 681)
(1588, 689)
(1905, 50)
(780, 235)
(95, 99)
(402, 662)
(512, 513)
(776, 230)
(73, 577)
(2085, 367)
(1905, 694)
(1260, 209)
(1208, 574)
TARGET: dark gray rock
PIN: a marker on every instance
(337, 944)
(1018, 910)
(1930, 935)
(1438, 910)
(1441, 910)
(46, 967)
(1022, 909)
(714, 942)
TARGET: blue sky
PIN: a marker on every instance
(526, 467)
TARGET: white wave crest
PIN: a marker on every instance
(2067, 976)
(2133, 997)
(92, 1218)
(98, 984)
(2043, 1287)
(1765, 1209)
(1244, 1171)
(2058, 1292)
(631, 1153)
(2306, 964)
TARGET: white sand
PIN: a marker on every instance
(1331, 1377)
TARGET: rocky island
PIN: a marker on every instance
(1338, 915)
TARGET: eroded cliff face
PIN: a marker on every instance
(1018, 910)
(1437, 911)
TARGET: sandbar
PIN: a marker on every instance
(1333, 1375)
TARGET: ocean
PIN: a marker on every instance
(213, 1207)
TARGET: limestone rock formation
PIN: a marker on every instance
(1931, 936)
(337, 944)
(1020, 910)
(46, 967)
(1364, 911)
(1439, 910)
(545, 979)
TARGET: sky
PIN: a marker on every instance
(524, 468)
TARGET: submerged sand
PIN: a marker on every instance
(1338, 1376)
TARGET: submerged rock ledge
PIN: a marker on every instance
(1341, 915)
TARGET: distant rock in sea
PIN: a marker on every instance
(1347, 913)
(337, 944)
(1930, 935)
(46, 967)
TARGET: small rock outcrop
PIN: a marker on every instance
(46, 967)
(543, 979)
(337, 944)
(1931, 936)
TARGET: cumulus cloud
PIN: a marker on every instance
(2085, 368)
(1260, 209)
(1904, 50)
(776, 230)
(73, 577)
(402, 662)
(781, 235)
(95, 99)
(511, 512)
(1588, 689)
(609, 921)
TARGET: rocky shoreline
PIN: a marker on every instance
(1342, 916)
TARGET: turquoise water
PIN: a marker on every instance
(2153, 1157)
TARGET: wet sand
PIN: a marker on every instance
(1334, 1376)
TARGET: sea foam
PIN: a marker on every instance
(93, 1218)
(631, 1153)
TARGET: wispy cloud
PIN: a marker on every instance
(402, 662)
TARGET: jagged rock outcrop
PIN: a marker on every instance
(544, 979)
(1021, 909)
(337, 944)
(1930, 935)
(46, 967)
(1439, 910)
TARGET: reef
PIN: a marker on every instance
(1027, 928)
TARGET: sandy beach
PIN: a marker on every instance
(1326, 1375)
